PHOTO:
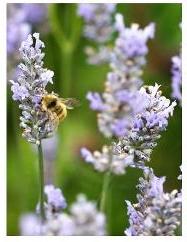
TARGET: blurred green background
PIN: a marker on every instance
(71, 173)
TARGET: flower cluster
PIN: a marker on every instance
(83, 217)
(98, 28)
(21, 18)
(30, 224)
(98, 56)
(98, 18)
(87, 219)
(156, 213)
(29, 88)
(55, 199)
(121, 99)
(107, 161)
(147, 126)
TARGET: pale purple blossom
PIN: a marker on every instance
(16, 32)
(83, 218)
(19, 92)
(86, 217)
(122, 103)
(121, 99)
(132, 41)
(136, 220)
(99, 55)
(156, 213)
(55, 198)
(98, 27)
(60, 224)
(34, 13)
(21, 18)
(96, 102)
(86, 10)
(120, 127)
(107, 161)
(30, 225)
(98, 18)
(87, 155)
(29, 88)
(177, 78)
(147, 126)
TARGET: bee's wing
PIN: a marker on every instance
(70, 102)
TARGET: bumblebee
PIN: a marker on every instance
(57, 107)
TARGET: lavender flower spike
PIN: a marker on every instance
(87, 219)
(156, 213)
(147, 126)
(98, 28)
(98, 19)
(83, 218)
(106, 161)
(29, 88)
(56, 222)
(21, 19)
(121, 100)
(132, 41)
(30, 225)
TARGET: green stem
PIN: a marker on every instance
(15, 139)
(55, 26)
(67, 43)
(67, 61)
(106, 183)
(41, 178)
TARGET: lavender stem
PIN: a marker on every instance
(106, 183)
(41, 177)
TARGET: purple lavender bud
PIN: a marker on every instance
(34, 13)
(55, 198)
(83, 218)
(30, 225)
(107, 161)
(147, 125)
(156, 213)
(21, 17)
(176, 78)
(132, 41)
(98, 19)
(120, 127)
(87, 155)
(86, 10)
(96, 102)
(156, 186)
(16, 32)
(19, 92)
(87, 219)
(137, 124)
(135, 220)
